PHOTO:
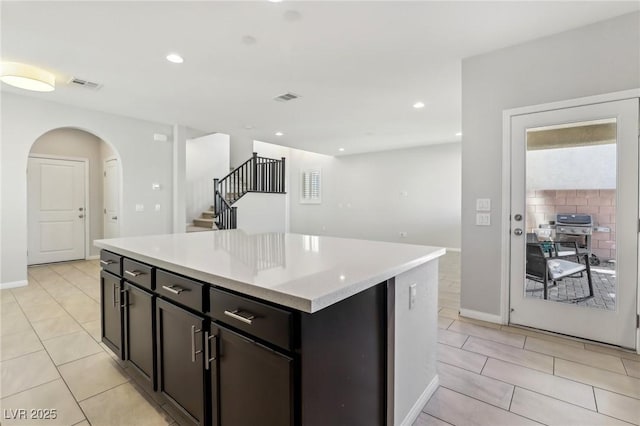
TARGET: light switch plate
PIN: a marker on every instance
(139, 207)
(483, 204)
(483, 219)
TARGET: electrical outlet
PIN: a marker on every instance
(403, 234)
(413, 292)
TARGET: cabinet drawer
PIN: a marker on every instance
(183, 290)
(137, 273)
(111, 262)
(258, 319)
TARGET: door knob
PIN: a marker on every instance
(80, 209)
(517, 231)
(114, 218)
(518, 217)
(80, 216)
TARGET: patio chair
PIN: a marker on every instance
(544, 269)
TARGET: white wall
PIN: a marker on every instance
(363, 195)
(143, 162)
(80, 144)
(207, 157)
(582, 167)
(269, 150)
(415, 349)
(261, 212)
(596, 59)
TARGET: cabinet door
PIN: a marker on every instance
(139, 330)
(180, 359)
(255, 383)
(110, 301)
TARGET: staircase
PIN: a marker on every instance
(257, 174)
(206, 222)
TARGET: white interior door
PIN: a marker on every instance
(111, 199)
(592, 174)
(56, 210)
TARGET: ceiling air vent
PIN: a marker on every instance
(85, 83)
(286, 97)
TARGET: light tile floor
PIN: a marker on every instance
(51, 358)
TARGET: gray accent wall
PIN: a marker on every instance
(596, 59)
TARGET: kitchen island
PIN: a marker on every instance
(275, 329)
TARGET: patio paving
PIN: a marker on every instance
(570, 289)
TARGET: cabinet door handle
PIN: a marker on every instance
(133, 273)
(236, 314)
(116, 299)
(125, 298)
(173, 289)
(193, 343)
(208, 360)
(106, 262)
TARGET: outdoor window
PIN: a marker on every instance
(311, 186)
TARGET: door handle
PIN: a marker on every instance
(517, 231)
(207, 360)
(80, 216)
(114, 218)
(193, 343)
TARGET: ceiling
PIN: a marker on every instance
(358, 66)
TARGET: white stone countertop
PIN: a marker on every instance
(304, 272)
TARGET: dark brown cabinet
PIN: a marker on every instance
(110, 301)
(221, 358)
(179, 340)
(138, 330)
(254, 384)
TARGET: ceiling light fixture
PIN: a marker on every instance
(275, 1)
(175, 58)
(418, 105)
(459, 134)
(27, 77)
(279, 133)
(341, 149)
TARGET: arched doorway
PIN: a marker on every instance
(73, 195)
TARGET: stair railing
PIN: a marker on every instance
(257, 174)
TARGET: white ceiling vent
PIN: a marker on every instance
(285, 97)
(85, 83)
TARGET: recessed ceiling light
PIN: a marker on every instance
(341, 149)
(279, 133)
(418, 105)
(459, 134)
(275, 1)
(175, 58)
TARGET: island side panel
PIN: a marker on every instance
(344, 361)
(415, 341)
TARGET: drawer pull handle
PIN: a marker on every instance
(106, 262)
(133, 273)
(207, 360)
(173, 289)
(193, 343)
(240, 316)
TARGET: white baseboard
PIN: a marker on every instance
(415, 411)
(94, 257)
(482, 316)
(457, 250)
(13, 284)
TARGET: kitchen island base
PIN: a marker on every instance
(220, 357)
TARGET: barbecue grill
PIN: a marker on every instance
(576, 227)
